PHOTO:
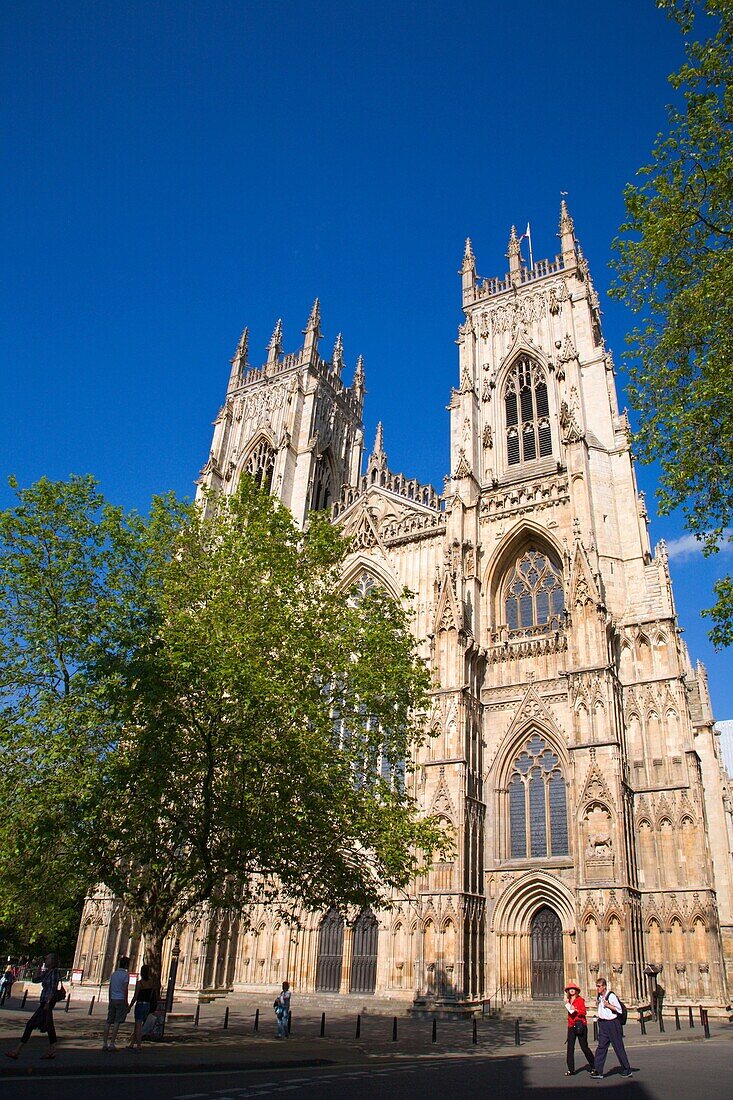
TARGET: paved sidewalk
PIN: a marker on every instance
(209, 1046)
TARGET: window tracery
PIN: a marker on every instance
(261, 464)
(534, 597)
(527, 411)
(538, 821)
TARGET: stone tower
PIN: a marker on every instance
(292, 423)
(573, 754)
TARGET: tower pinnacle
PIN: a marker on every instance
(513, 253)
(337, 359)
(276, 344)
(239, 361)
(312, 332)
(567, 235)
(357, 386)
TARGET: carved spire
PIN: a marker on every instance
(567, 235)
(239, 361)
(513, 253)
(312, 332)
(377, 459)
(357, 386)
(275, 346)
(468, 273)
(337, 359)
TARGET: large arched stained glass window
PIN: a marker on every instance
(527, 411)
(538, 819)
(533, 593)
(261, 464)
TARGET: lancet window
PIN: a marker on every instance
(527, 412)
(261, 464)
(322, 495)
(533, 594)
(538, 820)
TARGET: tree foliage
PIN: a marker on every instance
(675, 269)
(239, 724)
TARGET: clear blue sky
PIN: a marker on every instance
(176, 170)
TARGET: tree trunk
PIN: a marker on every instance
(154, 956)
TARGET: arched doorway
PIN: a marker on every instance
(547, 959)
(364, 957)
(330, 953)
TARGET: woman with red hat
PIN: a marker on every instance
(577, 1027)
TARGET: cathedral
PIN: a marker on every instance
(573, 753)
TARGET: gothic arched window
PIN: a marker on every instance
(527, 413)
(322, 495)
(261, 464)
(533, 594)
(538, 819)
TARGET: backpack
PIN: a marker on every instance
(623, 1015)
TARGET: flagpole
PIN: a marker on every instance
(529, 239)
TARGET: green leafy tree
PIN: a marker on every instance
(78, 593)
(675, 269)
(248, 727)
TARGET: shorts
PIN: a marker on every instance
(117, 1012)
(142, 1011)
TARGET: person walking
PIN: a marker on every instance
(6, 983)
(282, 1011)
(144, 1001)
(609, 1031)
(51, 991)
(577, 1028)
(118, 1008)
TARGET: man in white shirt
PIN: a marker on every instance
(118, 1007)
(609, 1031)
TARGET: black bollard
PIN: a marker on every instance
(642, 1023)
(196, 1017)
(257, 1019)
(435, 1030)
(323, 1024)
(661, 1020)
(226, 1017)
(474, 1037)
(692, 1018)
(677, 1024)
(394, 1029)
(705, 1024)
(91, 1006)
(595, 1031)
(358, 1025)
(290, 1022)
(25, 998)
(516, 1032)
(68, 1002)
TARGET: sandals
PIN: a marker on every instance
(568, 1073)
(11, 1054)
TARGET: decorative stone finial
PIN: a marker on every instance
(567, 235)
(337, 359)
(276, 344)
(469, 260)
(513, 253)
(240, 355)
(379, 440)
(357, 386)
(314, 321)
(239, 360)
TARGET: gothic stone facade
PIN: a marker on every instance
(574, 754)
